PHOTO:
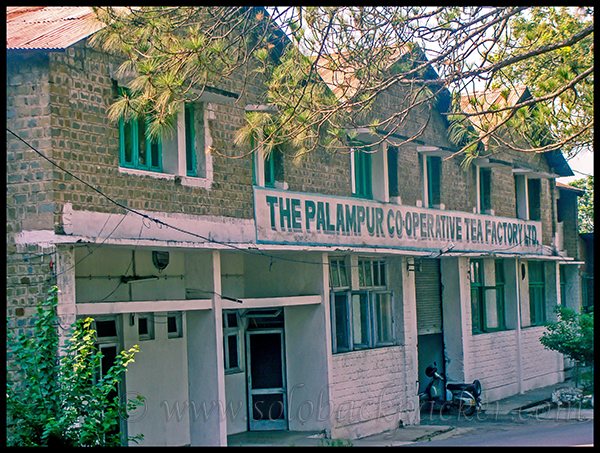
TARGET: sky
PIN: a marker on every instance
(582, 165)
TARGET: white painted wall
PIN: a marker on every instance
(506, 362)
(307, 372)
(296, 275)
(159, 373)
(367, 392)
(237, 401)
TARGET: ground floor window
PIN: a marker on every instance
(232, 342)
(487, 297)
(361, 320)
(537, 293)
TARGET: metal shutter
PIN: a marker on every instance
(429, 297)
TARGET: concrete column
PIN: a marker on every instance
(456, 303)
(512, 297)
(408, 337)
(206, 374)
(65, 282)
(327, 392)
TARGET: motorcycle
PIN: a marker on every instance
(444, 395)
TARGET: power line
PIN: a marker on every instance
(157, 221)
(160, 223)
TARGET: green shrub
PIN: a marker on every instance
(58, 399)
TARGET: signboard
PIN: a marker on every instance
(284, 217)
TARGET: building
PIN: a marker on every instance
(270, 293)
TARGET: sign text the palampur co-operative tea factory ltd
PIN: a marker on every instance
(284, 217)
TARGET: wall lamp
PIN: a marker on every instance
(415, 266)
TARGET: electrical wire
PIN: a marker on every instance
(256, 251)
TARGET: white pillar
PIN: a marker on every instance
(65, 282)
(206, 372)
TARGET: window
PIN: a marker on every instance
(384, 333)
(190, 140)
(267, 168)
(108, 343)
(528, 193)
(485, 190)
(337, 273)
(392, 165)
(487, 301)
(340, 322)
(362, 319)
(231, 341)
(432, 166)
(175, 325)
(537, 293)
(145, 322)
(361, 174)
(182, 153)
(371, 273)
(563, 284)
(534, 188)
(136, 149)
(273, 168)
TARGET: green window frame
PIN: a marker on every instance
(434, 178)
(190, 140)
(563, 284)
(136, 150)
(362, 186)
(270, 170)
(534, 192)
(488, 312)
(537, 293)
(273, 167)
(485, 190)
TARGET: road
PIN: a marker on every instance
(534, 433)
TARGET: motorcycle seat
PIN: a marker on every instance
(460, 386)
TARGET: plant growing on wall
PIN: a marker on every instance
(57, 398)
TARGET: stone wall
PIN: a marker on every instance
(368, 392)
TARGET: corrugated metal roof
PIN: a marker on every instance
(339, 73)
(563, 186)
(49, 27)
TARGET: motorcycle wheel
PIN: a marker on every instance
(467, 410)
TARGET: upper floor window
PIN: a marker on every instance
(373, 168)
(267, 168)
(484, 189)
(190, 140)
(534, 189)
(392, 167)
(529, 197)
(136, 149)
(181, 153)
(361, 174)
(433, 175)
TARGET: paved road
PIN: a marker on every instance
(531, 433)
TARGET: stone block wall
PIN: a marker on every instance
(30, 200)
(368, 392)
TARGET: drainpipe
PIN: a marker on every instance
(518, 330)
